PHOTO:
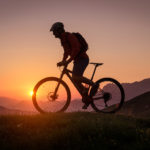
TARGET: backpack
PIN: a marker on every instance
(83, 43)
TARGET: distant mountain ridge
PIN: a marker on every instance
(8, 102)
(136, 88)
(2, 108)
(22, 105)
(6, 111)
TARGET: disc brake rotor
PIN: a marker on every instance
(51, 97)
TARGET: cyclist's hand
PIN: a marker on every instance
(59, 64)
(62, 63)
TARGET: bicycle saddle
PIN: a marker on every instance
(96, 64)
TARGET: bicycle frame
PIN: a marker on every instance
(66, 71)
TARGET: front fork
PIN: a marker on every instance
(55, 96)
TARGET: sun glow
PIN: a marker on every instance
(31, 93)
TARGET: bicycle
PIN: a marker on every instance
(52, 94)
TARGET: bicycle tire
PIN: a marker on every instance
(113, 108)
(46, 80)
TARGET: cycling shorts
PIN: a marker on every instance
(79, 66)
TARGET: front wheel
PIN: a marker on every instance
(51, 95)
(109, 96)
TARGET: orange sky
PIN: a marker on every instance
(117, 31)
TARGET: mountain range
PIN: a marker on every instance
(136, 88)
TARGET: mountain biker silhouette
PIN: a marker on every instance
(72, 48)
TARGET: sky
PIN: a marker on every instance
(117, 31)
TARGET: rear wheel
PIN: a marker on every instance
(44, 98)
(109, 96)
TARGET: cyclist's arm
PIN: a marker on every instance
(65, 56)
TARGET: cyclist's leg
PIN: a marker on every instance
(85, 98)
(78, 83)
(79, 67)
(78, 70)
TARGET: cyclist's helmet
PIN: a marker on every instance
(56, 26)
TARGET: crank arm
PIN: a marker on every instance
(98, 98)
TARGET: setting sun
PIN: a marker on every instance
(31, 93)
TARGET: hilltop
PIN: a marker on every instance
(138, 106)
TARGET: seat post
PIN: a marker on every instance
(94, 72)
